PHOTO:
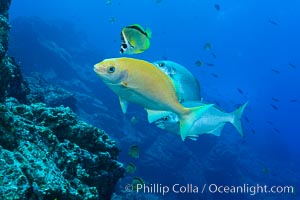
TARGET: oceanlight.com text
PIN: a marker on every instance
(250, 189)
(210, 188)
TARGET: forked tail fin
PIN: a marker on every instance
(237, 115)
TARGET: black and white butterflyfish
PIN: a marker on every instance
(134, 39)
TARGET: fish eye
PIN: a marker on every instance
(166, 118)
(161, 64)
(111, 69)
(124, 46)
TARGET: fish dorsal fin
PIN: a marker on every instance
(217, 131)
(148, 33)
(124, 105)
(154, 115)
(139, 28)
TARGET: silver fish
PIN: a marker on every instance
(186, 85)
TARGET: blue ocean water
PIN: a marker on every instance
(255, 58)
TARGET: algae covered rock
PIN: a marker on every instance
(54, 154)
(11, 79)
(4, 5)
(4, 27)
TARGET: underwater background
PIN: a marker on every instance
(254, 57)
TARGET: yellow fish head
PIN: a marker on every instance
(110, 71)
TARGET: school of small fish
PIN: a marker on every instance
(168, 91)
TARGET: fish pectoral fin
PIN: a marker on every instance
(160, 125)
(125, 84)
(124, 105)
(193, 137)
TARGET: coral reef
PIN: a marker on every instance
(4, 27)
(48, 153)
(45, 151)
(11, 79)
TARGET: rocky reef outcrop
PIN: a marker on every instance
(45, 151)
(11, 79)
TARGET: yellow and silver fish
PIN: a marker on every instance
(212, 120)
(134, 39)
(142, 83)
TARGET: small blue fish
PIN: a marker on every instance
(214, 75)
(273, 22)
(209, 64)
(217, 7)
(247, 119)
(293, 100)
(275, 99)
(276, 71)
(240, 91)
(274, 107)
(198, 63)
(276, 130)
(292, 65)
(207, 46)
